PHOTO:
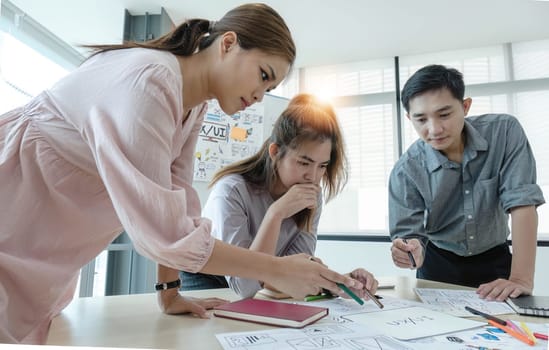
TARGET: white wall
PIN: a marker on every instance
(352, 30)
(376, 258)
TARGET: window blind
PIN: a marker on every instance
(506, 78)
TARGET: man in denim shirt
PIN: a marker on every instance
(451, 192)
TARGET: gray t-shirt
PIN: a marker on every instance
(463, 208)
(237, 208)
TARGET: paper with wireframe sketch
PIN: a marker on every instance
(453, 302)
(413, 322)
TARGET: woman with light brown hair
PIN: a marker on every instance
(271, 202)
(109, 148)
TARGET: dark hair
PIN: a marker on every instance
(257, 26)
(433, 77)
(305, 119)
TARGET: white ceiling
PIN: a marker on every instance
(326, 32)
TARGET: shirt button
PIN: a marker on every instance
(470, 253)
(469, 216)
(466, 191)
(471, 237)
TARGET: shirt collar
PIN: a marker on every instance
(475, 141)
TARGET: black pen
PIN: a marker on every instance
(412, 260)
(486, 316)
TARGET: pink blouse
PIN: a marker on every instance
(107, 149)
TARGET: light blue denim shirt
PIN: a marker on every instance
(464, 207)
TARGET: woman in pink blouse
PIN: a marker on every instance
(110, 148)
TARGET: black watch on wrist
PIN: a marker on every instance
(168, 285)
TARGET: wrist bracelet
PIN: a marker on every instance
(167, 285)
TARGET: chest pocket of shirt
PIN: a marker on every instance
(485, 195)
(486, 205)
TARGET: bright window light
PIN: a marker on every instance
(24, 72)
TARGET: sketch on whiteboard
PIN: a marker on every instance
(224, 139)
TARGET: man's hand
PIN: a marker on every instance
(399, 252)
(501, 288)
(173, 303)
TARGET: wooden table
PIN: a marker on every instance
(136, 321)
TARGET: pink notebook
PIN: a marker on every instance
(271, 312)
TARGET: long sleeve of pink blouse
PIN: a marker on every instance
(108, 148)
(126, 111)
(144, 154)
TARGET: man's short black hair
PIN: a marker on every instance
(433, 77)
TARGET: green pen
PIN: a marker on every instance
(350, 293)
(318, 297)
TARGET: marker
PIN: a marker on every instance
(515, 327)
(350, 293)
(512, 332)
(412, 260)
(528, 331)
(318, 297)
(486, 316)
(540, 336)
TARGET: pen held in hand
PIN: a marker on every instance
(412, 260)
(357, 299)
(350, 293)
(374, 299)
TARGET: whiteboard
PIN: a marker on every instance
(274, 106)
(224, 139)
